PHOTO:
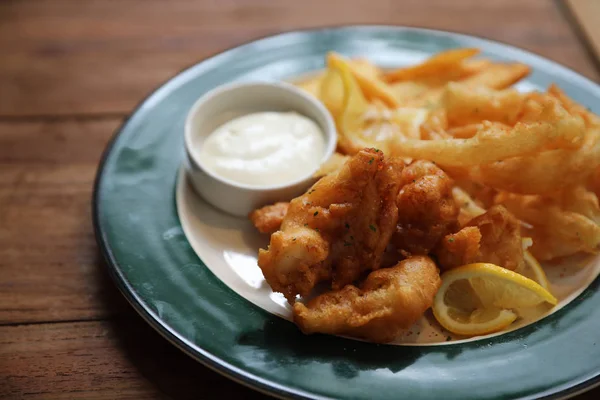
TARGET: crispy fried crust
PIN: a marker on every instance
(389, 300)
(493, 237)
(337, 230)
(426, 209)
(268, 219)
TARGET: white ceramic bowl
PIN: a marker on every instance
(234, 100)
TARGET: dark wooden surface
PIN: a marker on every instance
(70, 72)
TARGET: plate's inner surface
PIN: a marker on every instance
(229, 246)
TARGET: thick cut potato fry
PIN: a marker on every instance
(561, 225)
(465, 105)
(464, 132)
(456, 73)
(555, 128)
(495, 76)
(498, 76)
(409, 92)
(582, 201)
(435, 126)
(591, 119)
(542, 172)
(432, 65)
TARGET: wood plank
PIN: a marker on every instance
(51, 269)
(80, 57)
(587, 14)
(120, 359)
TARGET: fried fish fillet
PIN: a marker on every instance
(426, 208)
(338, 229)
(493, 237)
(268, 219)
(389, 300)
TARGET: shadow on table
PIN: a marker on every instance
(174, 374)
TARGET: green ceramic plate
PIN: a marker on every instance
(152, 262)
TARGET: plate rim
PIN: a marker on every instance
(201, 355)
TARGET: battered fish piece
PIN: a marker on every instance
(338, 229)
(268, 219)
(493, 237)
(427, 210)
(388, 301)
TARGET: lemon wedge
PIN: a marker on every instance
(480, 298)
(534, 271)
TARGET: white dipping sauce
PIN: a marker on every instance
(264, 149)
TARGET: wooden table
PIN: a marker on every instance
(70, 72)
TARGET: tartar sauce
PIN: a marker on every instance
(264, 149)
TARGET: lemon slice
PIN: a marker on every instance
(533, 270)
(477, 299)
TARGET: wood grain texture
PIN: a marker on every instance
(119, 359)
(48, 257)
(79, 57)
(587, 14)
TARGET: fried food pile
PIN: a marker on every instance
(439, 165)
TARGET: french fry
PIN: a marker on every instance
(432, 65)
(562, 225)
(498, 76)
(456, 73)
(465, 131)
(465, 105)
(555, 128)
(406, 92)
(428, 90)
(435, 126)
(543, 172)
(591, 119)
